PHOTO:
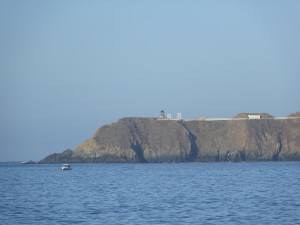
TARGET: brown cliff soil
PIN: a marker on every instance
(297, 114)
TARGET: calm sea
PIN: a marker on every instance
(145, 194)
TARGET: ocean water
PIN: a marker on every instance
(169, 193)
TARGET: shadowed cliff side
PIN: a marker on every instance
(153, 140)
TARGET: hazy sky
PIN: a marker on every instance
(69, 67)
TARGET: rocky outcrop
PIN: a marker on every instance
(28, 162)
(297, 114)
(66, 156)
(153, 140)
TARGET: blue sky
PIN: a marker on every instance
(69, 67)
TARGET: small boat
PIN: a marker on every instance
(66, 167)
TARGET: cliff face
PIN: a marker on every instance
(247, 140)
(137, 140)
(152, 140)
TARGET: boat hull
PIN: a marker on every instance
(66, 167)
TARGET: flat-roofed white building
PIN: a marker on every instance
(254, 116)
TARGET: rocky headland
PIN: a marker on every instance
(202, 140)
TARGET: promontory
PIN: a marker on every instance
(245, 137)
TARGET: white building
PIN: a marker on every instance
(254, 116)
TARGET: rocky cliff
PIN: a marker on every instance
(154, 140)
